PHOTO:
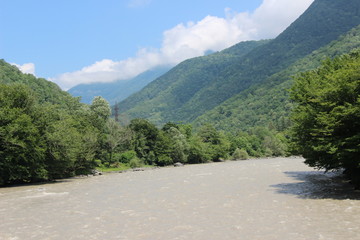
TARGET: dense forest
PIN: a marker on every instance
(45, 138)
(269, 103)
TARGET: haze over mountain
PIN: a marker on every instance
(119, 90)
(198, 85)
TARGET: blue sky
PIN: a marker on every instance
(83, 41)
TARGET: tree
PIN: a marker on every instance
(179, 145)
(144, 139)
(101, 111)
(21, 146)
(115, 136)
(215, 143)
(198, 151)
(326, 118)
(101, 107)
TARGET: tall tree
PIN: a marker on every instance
(326, 118)
(116, 135)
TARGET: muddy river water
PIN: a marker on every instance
(263, 199)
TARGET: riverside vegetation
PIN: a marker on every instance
(45, 141)
(47, 134)
(233, 104)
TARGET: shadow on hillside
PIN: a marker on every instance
(318, 185)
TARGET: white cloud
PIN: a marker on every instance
(194, 39)
(26, 68)
(273, 16)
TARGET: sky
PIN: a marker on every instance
(71, 42)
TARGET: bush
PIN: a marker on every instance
(240, 154)
(135, 163)
(164, 160)
(98, 163)
(127, 156)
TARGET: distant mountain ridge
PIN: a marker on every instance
(199, 85)
(119, 90)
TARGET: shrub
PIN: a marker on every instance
(135, 163)
(127, 156)
(240, 154)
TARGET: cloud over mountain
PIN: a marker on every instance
(187, 40)
(26, 67)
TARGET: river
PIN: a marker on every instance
(265, 199)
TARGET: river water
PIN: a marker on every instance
(267, 199)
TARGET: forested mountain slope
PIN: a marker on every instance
(45, 90)
(119, 90)
(268, 104)
(198, 85)
(180, 84)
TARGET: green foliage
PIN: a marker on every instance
(260, 142)
(101, 111)
(163, 100)
(198, 152)
(240, 154)
(116, 137)
(48, 141)
(248, 75)
(21, 154)
(127, 156)
(179, 145)
(46, 135)
(144, 139)
(136, 163)
(214, 143)
(268, 103)
(327, 114)
(45, 91)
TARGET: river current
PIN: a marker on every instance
(265, 199)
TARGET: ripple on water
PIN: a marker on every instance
(260, 199)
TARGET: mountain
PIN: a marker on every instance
(181, 83)
(45, 90)
(116, 91)
(268, 103)
(198, 85)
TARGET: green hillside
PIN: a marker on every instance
(45, 91)
(268, 104)
(175, 88)
(198, 85)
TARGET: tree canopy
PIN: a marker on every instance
(326, 116)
